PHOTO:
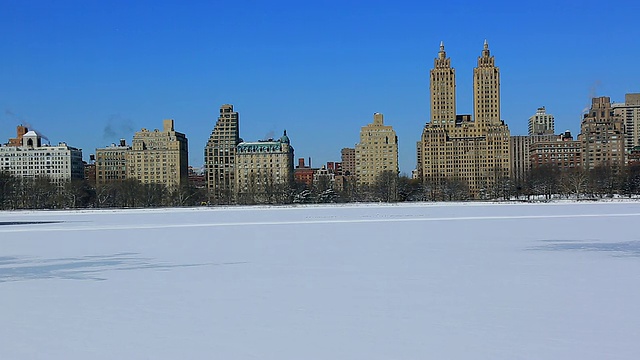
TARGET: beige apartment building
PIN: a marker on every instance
(159, 156)
(263, 171)
(475, 151)
(376, 152)
(602, 135)
(629, 112)
(219, 156)
(111, 163)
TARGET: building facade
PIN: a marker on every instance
(111, 163)
(541, 123)
(159, 157)
(520, 154)
(474, 151)
(264, 171)
(348, 159)
(562, 152)
(602, 135)
(303, 174)
(219, 156)
(31, 159)
(376, 152)
(629, 113)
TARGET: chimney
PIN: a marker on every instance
(301, 163)
(123, 142)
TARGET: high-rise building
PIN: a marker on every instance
(111, 163)
(602, 135)
(629, 112)
(264, 171)
(31, 159)
(475, 151)
(348, 158)
(219, 156)
(541, 123)
(376, 152)
(159, 157)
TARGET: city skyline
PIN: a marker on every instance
(90, 74)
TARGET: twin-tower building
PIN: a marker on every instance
(473, 150)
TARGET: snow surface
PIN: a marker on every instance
(411, 281)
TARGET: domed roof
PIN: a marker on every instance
(285, 139)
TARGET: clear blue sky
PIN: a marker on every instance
(90, 72)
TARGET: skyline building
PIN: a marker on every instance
(602, 135)
(159, 157)
(111, 163)
(459, 147)
(219, 156)
(376, 152)
(541, 123)
(30, 158)
(263, 171)
(629, 112)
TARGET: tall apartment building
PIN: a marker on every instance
(629, 112)
(541, 123)
(476, 150)
(31, 159)
(348, 158)
(376, 152)
(159, 157)
(602, 135)
(111, 163)
(263, 171)
(219, 156)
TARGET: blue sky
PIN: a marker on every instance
(89, 72)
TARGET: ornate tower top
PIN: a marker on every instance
(442, 54)
(485, 50)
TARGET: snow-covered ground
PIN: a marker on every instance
(416, 281)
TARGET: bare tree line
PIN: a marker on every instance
(541, 183)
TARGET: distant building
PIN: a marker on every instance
(541, 123)
(563, 153)
(90, 173)
(197, 178)
(457, 147)
(376, 152)
(264, 171)
(159, 157)
(520, 146)
(219, 156)
(303, 174)
(602, 135)
(111, 163)
(348, 158)
(629, 113)
(31, 159)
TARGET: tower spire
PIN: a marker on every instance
(442, 54)
(485, 50)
